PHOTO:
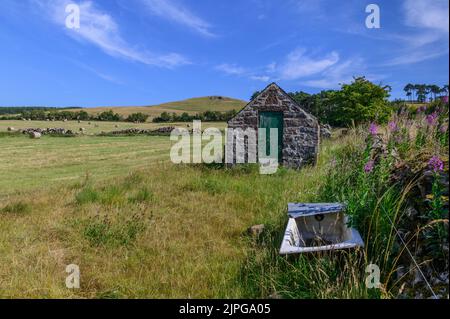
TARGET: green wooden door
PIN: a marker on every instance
(268, 120)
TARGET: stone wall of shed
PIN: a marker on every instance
(301, 132)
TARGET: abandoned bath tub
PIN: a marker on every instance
(318, 227)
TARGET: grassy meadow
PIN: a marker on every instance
(136, 224)
(139, 226)
(54, 161)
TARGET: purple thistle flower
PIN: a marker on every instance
(369, 166)
(393, 127)
(373, 129)
(436, 164)
(432, 119)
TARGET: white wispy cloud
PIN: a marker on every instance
(99, 28)
(320, 71)
(236, 70)
(339, 73)
(298, 64)
(428, 32)
(231, 69)
(416, 56)
(308, 6)
(262, 78)
(177, 13)
(431, 14)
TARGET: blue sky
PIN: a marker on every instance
(143, 52)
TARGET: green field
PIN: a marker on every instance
(48, 162)
(136, 224)
(28, 164)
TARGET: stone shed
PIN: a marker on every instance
(299, 131)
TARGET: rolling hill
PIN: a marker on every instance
(192, 106)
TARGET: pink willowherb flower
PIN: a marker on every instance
(432, 119)
(373, 129)
(443, 128)
(436, 164)
(369, 166)
(421, 109)
(393, 127)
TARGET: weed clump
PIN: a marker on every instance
(142, 196)
(17, 208)
(105, 231)
(87, 195)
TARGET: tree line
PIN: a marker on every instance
(421, 92)
(42, 114)
(4, 110)
(207, 116)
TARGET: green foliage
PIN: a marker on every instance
(87, 195)
(362, 174)
(366, 193)
(320, 104)
(5, 110)
(43, 114)
(122, 231)
(358, 102)
(143, 195)
(112, 195)
(17, 208)
(137, 117)
(339, 274)
(207, 116)
(109, 116)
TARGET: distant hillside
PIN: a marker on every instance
(191, 106)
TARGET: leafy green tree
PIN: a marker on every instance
(435, 90)
(185, 117)
(109, 116)
(83, 116)
(421, 92)
(137, 117)
(415, 89)
(409, 90)
(360, 102)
